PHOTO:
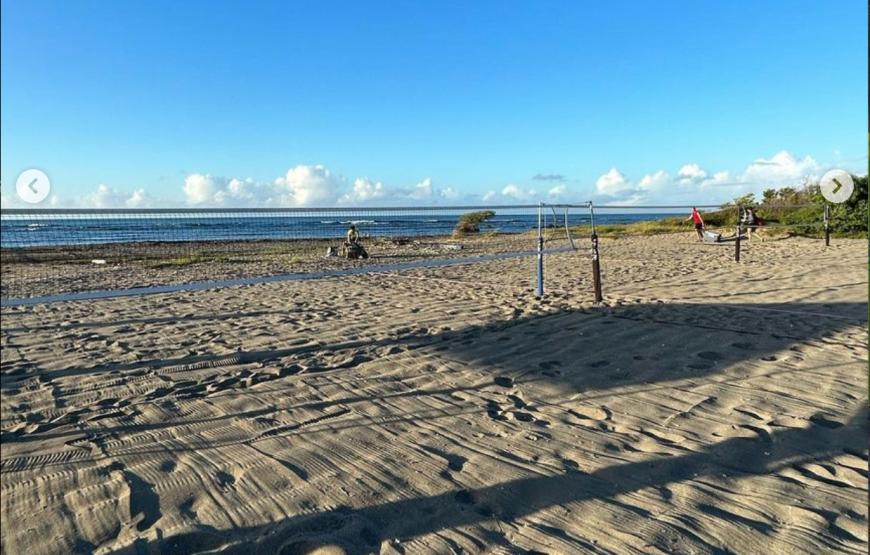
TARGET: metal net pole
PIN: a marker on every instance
(540, 252)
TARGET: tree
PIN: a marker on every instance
(745, 200)
(470, 222)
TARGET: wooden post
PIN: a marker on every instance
(827, 228)
(737, 243)
(596, 264)
(596, 270)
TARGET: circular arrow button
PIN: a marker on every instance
(32, 186)
(837, 186)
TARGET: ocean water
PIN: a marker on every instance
(58, 230)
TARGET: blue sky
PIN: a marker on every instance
(250, 103)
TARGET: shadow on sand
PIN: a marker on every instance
(589, 351)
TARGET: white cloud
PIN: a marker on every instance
(450, 194)
(207, 190)
(559, 191)
(364, 190)
(691, 174)
(110, 197)
(612, 183)
(783, 169)
(307, 186)
(718, 179)
(422, 190)
(199, 189)
(516, 192)
(510, 194)
(315, 185)
(615, 188)
(654, 182)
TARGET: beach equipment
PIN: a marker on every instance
(713, 238)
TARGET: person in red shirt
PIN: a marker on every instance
(699, 223)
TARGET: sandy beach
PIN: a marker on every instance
(707, 407)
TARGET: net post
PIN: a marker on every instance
(596, 264)
(540, 294)
(827, 227)
(739, 235)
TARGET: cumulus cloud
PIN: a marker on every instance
(110, 197)
(517, 193)
(450, 194)
(423, 190)
(364, 191)
(654, 182)
(559, 191)
(691, 174)
(305, 186)
(315, 185)
(783, 168)
(208, 190)
(615, 188)
(612, 183)
(719, 179)
(103, 196)
(199, 189)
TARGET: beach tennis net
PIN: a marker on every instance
(56, 252)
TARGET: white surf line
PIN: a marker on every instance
(196, 286)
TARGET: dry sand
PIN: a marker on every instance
(708, 407)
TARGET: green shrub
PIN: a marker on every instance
(470, 223)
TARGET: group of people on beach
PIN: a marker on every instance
(750, 221)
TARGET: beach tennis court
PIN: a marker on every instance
(704, 407)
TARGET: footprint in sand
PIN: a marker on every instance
(745, 431)
(454, 462)
(664, 436)
(504, 381)
(826, 421)
(494, 410)
(517, 401)
(463, 497)
(224, 479)
(187, 510)
(820, 473)
(584, 416)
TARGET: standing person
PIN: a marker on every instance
(752, 222)
(699, 223)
